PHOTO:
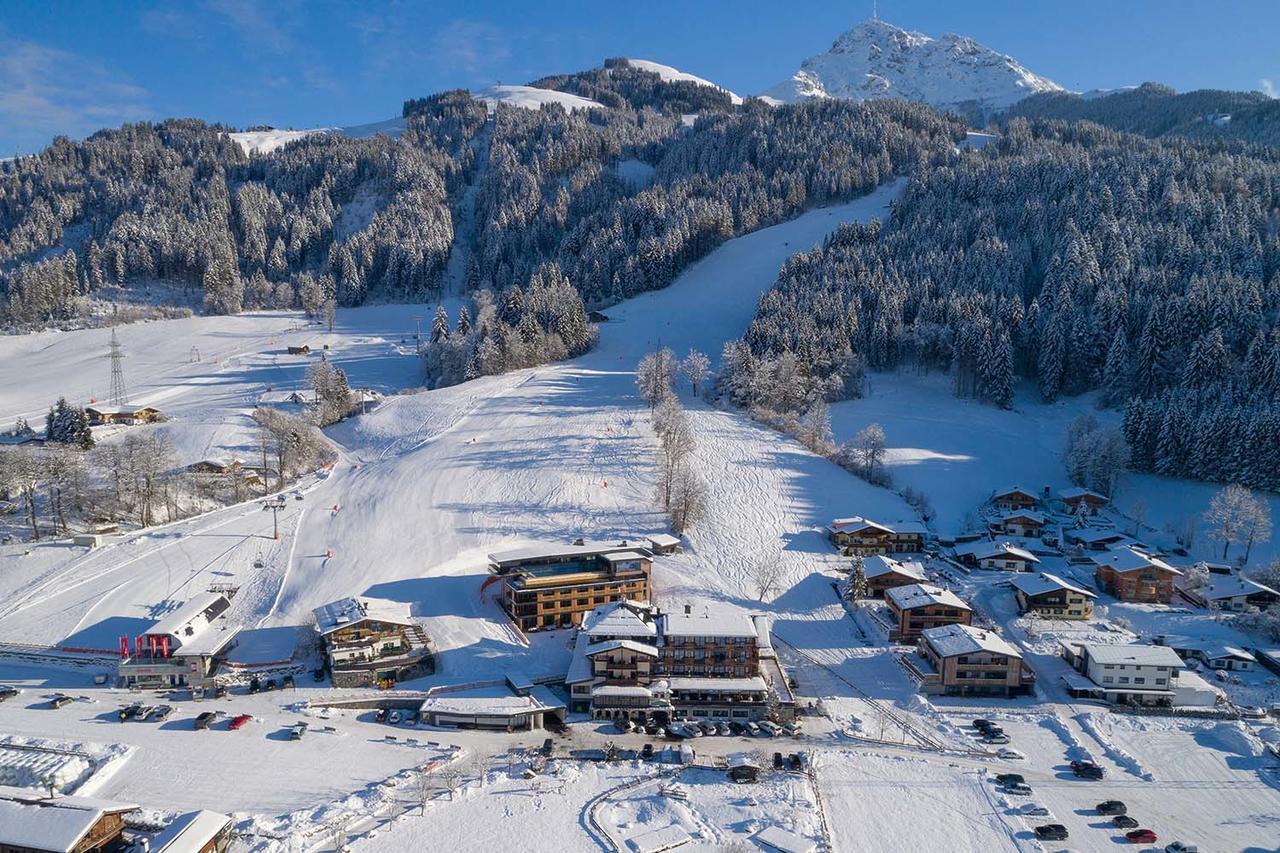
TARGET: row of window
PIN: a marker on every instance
(1137, 679)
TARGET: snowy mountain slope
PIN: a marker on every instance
(266, 141)
(532, 98)
(666, 72)
(878, 60)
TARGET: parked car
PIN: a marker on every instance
(1010, 754)
(220, 691)
(646, 751)
(394, 718)
(1123, 821)
(548, 746)
(1035, 810)
(128, 712)
(297, 731)
(1141, 836)
(1087, 770)
(1018, 789)
(288, 681)
(770, 728)
(777, 761)
(1010, 779)
(317, 674)
(1180, 847)
(160, 713)
(1051, 832)
(792, 729)
(693, 729)
(6, 692)
(269, 684)
(59, 699)
(996, 738)
(752, 730)
(708, 727)
(240, 721)
(796, 761)
(982, 725)
(204, 720)
(723, 729)
(255, 684)
(1112, 807)
(144, 712)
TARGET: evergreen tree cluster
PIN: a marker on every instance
(67, 424)
(618, 84)
(1155, 110)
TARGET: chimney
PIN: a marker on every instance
(579, 542)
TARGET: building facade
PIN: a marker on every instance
(1052, 597)
(556, 586)
(1133, 575)
(997, 556)
(863, 537)
(371, 641)
(632, 661)
(185, 648)
(1015, 498)
(959, 660)
(919, 607)
(33, 822)
(885, 573)
(1134, 675)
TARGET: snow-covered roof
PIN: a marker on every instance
(663, 540)
(877, 565)
(1030, 515)
(623, 556)
(922, 595)
(718, 685)
(1211, 649)
(193, 617)
(1126, 559)
(490, 700)
(1094, 534)
(777, 838)
(1077, 493)
(1015, 490)
(1222, 587)
(190, 833)
(620, 619)
(345, 611)
(551, 550)
(1134, 655)
(125, 409)
(612, 645)
(857, 522)
(633, 690)
(1038, 584)
(31, 819)
(579, 663)
(986, 550)
(951, 640)
(742, 759)
(708, 622)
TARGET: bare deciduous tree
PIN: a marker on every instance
(764, 575)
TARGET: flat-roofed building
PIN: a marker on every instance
(372, 641)
(960, 660)
(186, 647)
(556, 586)
(921, 606)
(1052, 597)
(33, 822)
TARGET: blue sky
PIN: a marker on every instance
(72, 67)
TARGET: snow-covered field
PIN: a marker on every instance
(426, 485)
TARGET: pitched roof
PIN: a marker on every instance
(663, 540)
(193, 616)
(611, 645)
(548, 550)
(345, 611)
(951, 640)
(857, 522)
(1031, 515)
(984, 550)
(30, 818)
(878, 565)
(1042, 582)
(620, 619)
(189, 833)
(1126, 559)
(1221, 587)
(1076, 493)
(1134, 655)
(1015, 490)
(923, 595)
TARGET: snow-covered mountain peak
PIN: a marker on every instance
(876, 59)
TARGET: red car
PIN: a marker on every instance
(239, 721)
(1141, 836)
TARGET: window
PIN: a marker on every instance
(1124, 679)
(1139, 680)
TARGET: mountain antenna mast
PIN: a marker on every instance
(874, 12)
(119, 394)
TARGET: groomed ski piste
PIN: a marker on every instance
(429, 483)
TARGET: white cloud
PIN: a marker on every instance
(1268, 88)
(46, 91)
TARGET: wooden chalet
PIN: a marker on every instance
(1133, 575)
(1082, 501)
(921, 606)
(1052, 597)
(885, 573)
(33, 822)
(864, 537)
(1015, 498)
(125, 415)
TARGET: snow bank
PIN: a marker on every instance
(666, 72)
(1098, 725)
(531, 98)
